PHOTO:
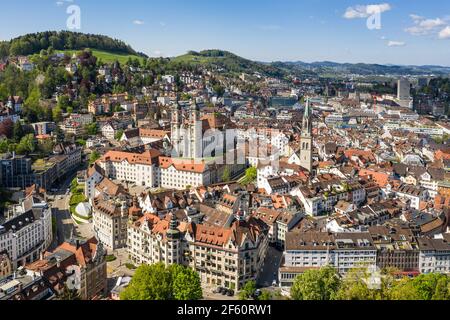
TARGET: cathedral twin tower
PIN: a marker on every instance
(187, 139)
(187, 136)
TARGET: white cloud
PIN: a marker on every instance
(396, 44)
(61, 2)
(445, 33)
(423, 26)
(365, 11)
(138, 22)
(416, 17)
(158, 53)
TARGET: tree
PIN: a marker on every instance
(57, 114)
(158, 282)
(426, 285)
(404, 290)
(322, 284)
(69, 294)
(119, 135)
(94, 157)
(185, 97)
(186, 283)
(250, 175)
(91, 129)
(265, 296)
(442, 291)
(4, 146)
(17, 131)
(248, 291)
(64, 102)
(226, 177)
(355, 287)
(59, 134)
(45, 147)
(150, 282)
(219, 90)
(26, 145)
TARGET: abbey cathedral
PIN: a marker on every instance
(198, 137)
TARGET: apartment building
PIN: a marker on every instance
(313, 250)
(26, 288)
(82, 118)
(110, 218)
(396, 247)
(77, 264)
(28, 232)
(434, 255)
(148, 241)
(226, 256)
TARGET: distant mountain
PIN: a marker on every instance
(327, 67)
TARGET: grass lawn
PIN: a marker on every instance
(106, 57)
(111, 258)
(76, 199)
(189, 58)
(130, 266)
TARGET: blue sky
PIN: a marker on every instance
(412, 31)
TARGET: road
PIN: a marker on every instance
(61, 212)
(270, 269)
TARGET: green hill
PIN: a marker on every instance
(33, 43)
(107, 57)
(227, 61)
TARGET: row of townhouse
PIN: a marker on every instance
(381, 247)
(228, 256)
(21, 172)
(279, 223)
(313, 250)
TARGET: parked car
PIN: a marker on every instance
(230, 293)
(218, 290)
(257, 294)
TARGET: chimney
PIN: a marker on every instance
(78, 244)
(58, 262)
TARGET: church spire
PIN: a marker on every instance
(306, 139)
(307, 120)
